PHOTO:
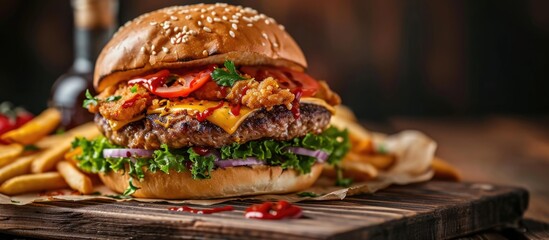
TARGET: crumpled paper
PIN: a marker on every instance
(414, 152)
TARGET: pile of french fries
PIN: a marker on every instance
(43, 167)
(363, 162)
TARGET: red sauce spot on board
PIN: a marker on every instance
(273, 211)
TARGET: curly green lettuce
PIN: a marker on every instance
(333, 141)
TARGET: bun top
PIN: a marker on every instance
(195, 35)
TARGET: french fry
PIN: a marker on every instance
(381, 162)
(444, 171)
(46, 160)
(76, 180)
(9, 152)
(88, 130)
(71, 155)
(33, 183)
(19, 167)
(49, 141)
(356, 170)
(360, 137)
(345, 113)
(35, 129)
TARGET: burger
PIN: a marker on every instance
(208, 101)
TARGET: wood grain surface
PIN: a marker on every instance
(432, 210)
(501, 150)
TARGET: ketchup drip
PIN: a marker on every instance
(295, 103)
(273, 211)
(235, 109)
(201, 211)
(153, 81)
(201, 151)
(130, 102)
(208, 112)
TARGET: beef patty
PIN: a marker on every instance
(184, 130)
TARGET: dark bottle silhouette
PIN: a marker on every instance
(94, 24)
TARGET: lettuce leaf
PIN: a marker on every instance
(335, 142)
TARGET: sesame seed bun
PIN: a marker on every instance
(195, 35)
(228, 182)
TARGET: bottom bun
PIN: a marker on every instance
(228, 182)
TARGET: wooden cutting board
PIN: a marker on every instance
(432, 210)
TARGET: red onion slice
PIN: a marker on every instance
(321, 156)
(127, 152)
(238, 162)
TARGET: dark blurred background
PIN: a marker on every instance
(385, 57)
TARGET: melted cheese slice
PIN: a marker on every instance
(221, 117)
(115, 125)
(320, 102)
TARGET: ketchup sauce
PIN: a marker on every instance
(273, 211)
(295, 104)
(153, 81)
(131, 102)
(201, 211)
(201, 116)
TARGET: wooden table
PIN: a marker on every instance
(501, 150)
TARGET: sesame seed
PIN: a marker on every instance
(265, 35)
(216, 19)
(142, 49)
(225, 18)
(153, 53)
(249, 25)
(200, 23)
(231, 33)
(205, 53)
(207, 29)
(263, 44)
(185, 28)
(275, 45)
(188, 17)
(202, 16)
(153, 47)
(281, 27)
(235, 17)
(168, 32)
(173, 18)
(203, 10)
(209, 19)
(267, 21)
(172, 40)
(238, 14)
(233, 21)
(214, 13)
(153, 23)
(193, 32)
(234, 26)
(165, 49)
(227, 9)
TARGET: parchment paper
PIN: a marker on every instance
(414, 152)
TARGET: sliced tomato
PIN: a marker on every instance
(293, 80)
(186, 84)
(152, 81)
